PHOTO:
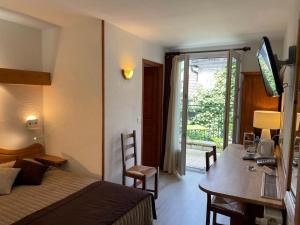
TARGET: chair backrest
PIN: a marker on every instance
(126, 147)
(212, 153)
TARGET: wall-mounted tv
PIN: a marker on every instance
(269, 68)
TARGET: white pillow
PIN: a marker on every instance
(7, 179)
(7, 164)
(32, 160)
(12, 163)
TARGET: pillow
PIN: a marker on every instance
(11, 163)
(33, 160)
(31, 173)
(7, 179)
(7, 164)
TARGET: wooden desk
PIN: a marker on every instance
(230, 177)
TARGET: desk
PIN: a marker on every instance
(229, 177)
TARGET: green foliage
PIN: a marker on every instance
(266, 70)
(196, 131)
(218, 141)
(207, 107)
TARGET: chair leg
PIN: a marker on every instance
(214, 218)
(144, 183)
(123, 180)
(207, 216)
(134, 183)
(237, 221)
(156, 186)
(208, 204)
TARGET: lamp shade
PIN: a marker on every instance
(266, 120)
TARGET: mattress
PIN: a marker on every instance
(57, 185)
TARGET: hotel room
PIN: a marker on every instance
(135, 112)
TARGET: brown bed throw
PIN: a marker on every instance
(100, 203)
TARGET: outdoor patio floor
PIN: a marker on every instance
(195, 158)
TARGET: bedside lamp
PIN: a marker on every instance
(32, 122)
(266, 120)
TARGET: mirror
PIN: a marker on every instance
(295, 133)
(296, 148)
(290, 132)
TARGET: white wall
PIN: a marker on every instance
(123, 98)
(50, 40)
(20, 48)
(72, 104)
(249, 61)
(292, 26)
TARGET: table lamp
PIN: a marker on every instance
(266, 120)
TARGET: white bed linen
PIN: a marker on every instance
(25, 200)
(56, 185)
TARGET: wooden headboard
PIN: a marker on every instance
(7, 155)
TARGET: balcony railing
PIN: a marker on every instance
(205, 127)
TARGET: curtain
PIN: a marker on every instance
(173, 122)
(167, 89)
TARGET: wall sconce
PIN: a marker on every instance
(32, 122)
(127, 73)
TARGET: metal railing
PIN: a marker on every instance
(209, 125)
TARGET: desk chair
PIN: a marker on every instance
(137, 172)
(228, 207)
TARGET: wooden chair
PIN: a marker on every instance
(208, 155)
(228, 207)
(137, 172)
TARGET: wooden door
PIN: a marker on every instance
(254, 97)
(152, 114)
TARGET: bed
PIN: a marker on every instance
(64, 198)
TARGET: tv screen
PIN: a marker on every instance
(268, 68)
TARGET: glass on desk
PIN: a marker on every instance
(250, 146)
(249, 140)
(296, 159)
(249, 136)
(294, 180)
(295, 165)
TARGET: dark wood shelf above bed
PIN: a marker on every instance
(13, 76)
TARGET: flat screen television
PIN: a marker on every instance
(269, 68)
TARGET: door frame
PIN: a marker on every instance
(181, 161)
(237, 100)
(232, 54)
(160, 67)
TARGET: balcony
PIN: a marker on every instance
(201, 134)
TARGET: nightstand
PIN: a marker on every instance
(50, 160)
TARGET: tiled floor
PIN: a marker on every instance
(181, 202)
(195, 158)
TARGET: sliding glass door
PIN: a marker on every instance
(182, 69)
(231, 117)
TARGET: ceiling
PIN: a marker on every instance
(171, 23)
(24, 19)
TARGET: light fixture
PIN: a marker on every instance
(32, 122)
(266, 120)
(127, 73)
